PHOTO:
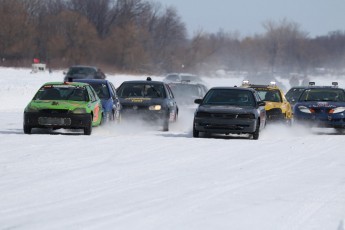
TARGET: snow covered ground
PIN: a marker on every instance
(129, 176)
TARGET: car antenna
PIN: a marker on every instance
(148, 79)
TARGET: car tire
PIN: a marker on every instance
(112, 116)
(27, 129)
(166, 123)
(118, 118)
(176, 117)
(256, 134)
(195, 132)
(340, 130)
(88, 129)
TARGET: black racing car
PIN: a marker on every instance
(83, 72)
(148, 100)
(226, 110)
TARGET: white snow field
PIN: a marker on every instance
(131, 176)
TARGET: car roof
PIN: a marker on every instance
(143, 82)
(186, 83)
(232, 88)
(80, 84)
(100, 81)
(84, 66)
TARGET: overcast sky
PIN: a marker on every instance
(317, 17)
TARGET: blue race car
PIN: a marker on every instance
(321, 106)
(107, 93)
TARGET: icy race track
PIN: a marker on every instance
(136, 177)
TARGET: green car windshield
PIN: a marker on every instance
(323, 94)
(58, 92)
(229, 97)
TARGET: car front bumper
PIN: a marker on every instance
(48, 120)
(211, 125)
(144, 114)
(321, 120)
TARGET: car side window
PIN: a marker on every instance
(113, 90)
(170, 93)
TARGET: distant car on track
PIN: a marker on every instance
(277, 106)
(84, 72)
(226, 110)
(182, 77)
(321, 106)
(63, 105)
(186, 92)
(148, 100)
(107, 93)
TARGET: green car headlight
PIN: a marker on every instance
(79, 111)
(155, 107)
(31, 109)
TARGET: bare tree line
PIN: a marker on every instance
(145, 37)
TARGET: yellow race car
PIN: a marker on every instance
(277, 106)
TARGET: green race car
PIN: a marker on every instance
(68, 105)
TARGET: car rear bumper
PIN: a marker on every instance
(46, 120)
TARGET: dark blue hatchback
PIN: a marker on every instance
(107, 93)
(321, 107)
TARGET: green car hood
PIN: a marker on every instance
(55, 104)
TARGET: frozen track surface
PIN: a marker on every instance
(137, 177)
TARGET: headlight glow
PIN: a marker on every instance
(155, 107)
(337, 110)
(304, 109)
(79, 111)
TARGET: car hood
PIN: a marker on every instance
(54, 104)
(141, 101)
(224, 109)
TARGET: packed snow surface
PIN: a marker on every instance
(134, 176)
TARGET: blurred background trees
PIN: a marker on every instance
(145, 37)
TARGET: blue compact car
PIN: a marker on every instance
(107, 93)
(321, 106)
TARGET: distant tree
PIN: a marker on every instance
(16, 30)
(100, 13)
(283, 43)
(72, 38)
(168, 36)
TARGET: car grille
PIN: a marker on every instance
(55, 111)
(275, 111)
(54, 121)
(225, 115)
(134, 107)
